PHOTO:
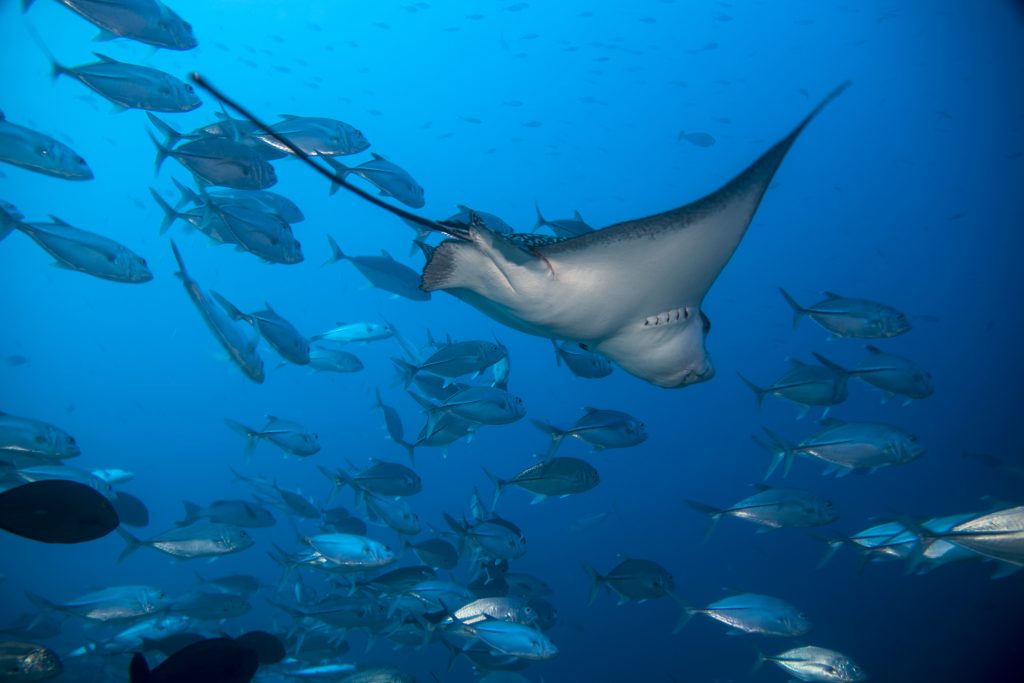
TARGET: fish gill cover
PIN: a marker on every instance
(316, 453)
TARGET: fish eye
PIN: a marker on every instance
(142, 261)
(40, 438)
(43, 151)
(189, 88)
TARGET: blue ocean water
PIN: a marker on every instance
(905, 190)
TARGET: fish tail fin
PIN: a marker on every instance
(685, 615)
(410, 448)
(798, 310)
(832, 365)
(499, 486)
(56, 68)
(340, 169)
(170, 214)
(406, 371)
(131, 544)
(455, 525)
(834, 544)
(558, 356)
(41, 602)
(555, 433)
(171, 136)
(182, 273)
(541, 221)
(138, 670)
(250, 435)
(188, 195)
(192, 513)
(713, 513)
(596, 580)
(25, 4)
(761, 659)
(758, 391)
(336, 253)
(162, 152)
(782, 452)
(230, 308)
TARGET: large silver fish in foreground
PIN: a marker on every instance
(631, 291)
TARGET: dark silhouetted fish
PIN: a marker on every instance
(56, 511)
(215, 660)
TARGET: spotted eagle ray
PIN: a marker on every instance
(631, 291)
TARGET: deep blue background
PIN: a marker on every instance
(907, 189)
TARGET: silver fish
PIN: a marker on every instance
(582, 363)
(242, 349)
(26, 436)
(389, 178)
(347, 333)
(806, 385)
(894, 375)
(774, 508)
(846, 446)
(566, 227)
(87, 252)
(753, 613)
(110, 604)
(277, 331)
(551, 477)
(819, 664)
(327, 359)
(316, 136)
(600, 428)
(147, 21)
(205, 539)
(383, 272)
(34, 151)
(132, 86)
(846, 317)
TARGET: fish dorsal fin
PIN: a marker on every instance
(796, 362)
(3, 116)
(104, 58)
(761, 487)
(831, 422)
(833, 295)
(269, 307)
(377, 157)
(590, 409)
(288, 117)
(59, 221)
(576, 214)
(385, 254)
(872, 349)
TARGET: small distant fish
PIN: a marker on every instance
(86, 252)
(810, 663)
(203, 606)
(381, 477)
(291, 437)
(582, 363)
(239, 584)
(56, 511)
(383, 272)
(34, 151)
(389, 178)
(393, 425)
(846, 317)
(565, 227)
(14, 360)
(494, 537)
(600, 428)
(132, 86)
(277, 331)
(483, 405)
(696, 139)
